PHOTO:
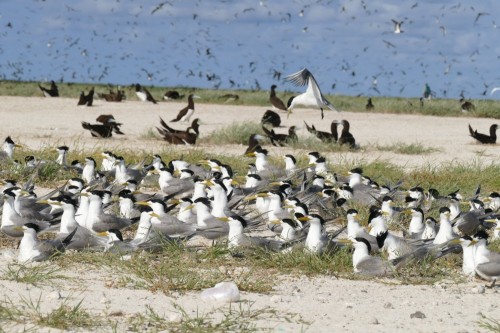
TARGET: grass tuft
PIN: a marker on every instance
(408, 149)
(32, 274)
(235, 133)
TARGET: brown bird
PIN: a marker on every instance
(194, 125)
(172, 94)
(281, 139)
(52, 92)
(369, 104)
(467, 105)
(346, 138)
(143, 94)
(275, 101)
(253, 142)
(187, 137)
(484, 138)
(117, 96)
(86, 99)
(272, 118)
(109, 125)
(186, 112)
(325, 136)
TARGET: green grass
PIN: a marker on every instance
(40, 274)
(235, 133)
(241, 317)
(408, 149)
(30, 312)
(437, 107)
(490, 324)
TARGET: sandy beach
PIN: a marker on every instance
(324, 303)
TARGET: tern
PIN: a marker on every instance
(33, 249)
(445, 232)
(312, 97)
(397, 26)
(8, 149)
(365, 264)
(487, 262)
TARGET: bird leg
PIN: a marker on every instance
(492, 284)
(322, 115)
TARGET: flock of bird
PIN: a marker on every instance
(384, 51)
(312, 97)
(291, 206)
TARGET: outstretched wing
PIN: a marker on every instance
(303, 77)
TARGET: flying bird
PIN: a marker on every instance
(397, 26)
(485, 138)
(494, 90)
(186, 112)
(312, 97)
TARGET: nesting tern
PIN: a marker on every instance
(33, 249)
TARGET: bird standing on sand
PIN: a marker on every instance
(312, 97)
(86, 99)
(275, 101)
(369, 104)
(52, 91)
(272, 118)
(346, 137)
(109, 125)
(143, 94)
(484, 138)
(186, 112)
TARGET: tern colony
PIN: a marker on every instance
(291, 206)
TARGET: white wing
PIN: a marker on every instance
(494, 90)
(303, 77)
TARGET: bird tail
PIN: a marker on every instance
(471, 131)
(68, 238)
(174, 120)
(86, 125)
(309, 129)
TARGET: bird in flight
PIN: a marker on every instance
(312, 97)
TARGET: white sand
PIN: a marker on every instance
(327, 303)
